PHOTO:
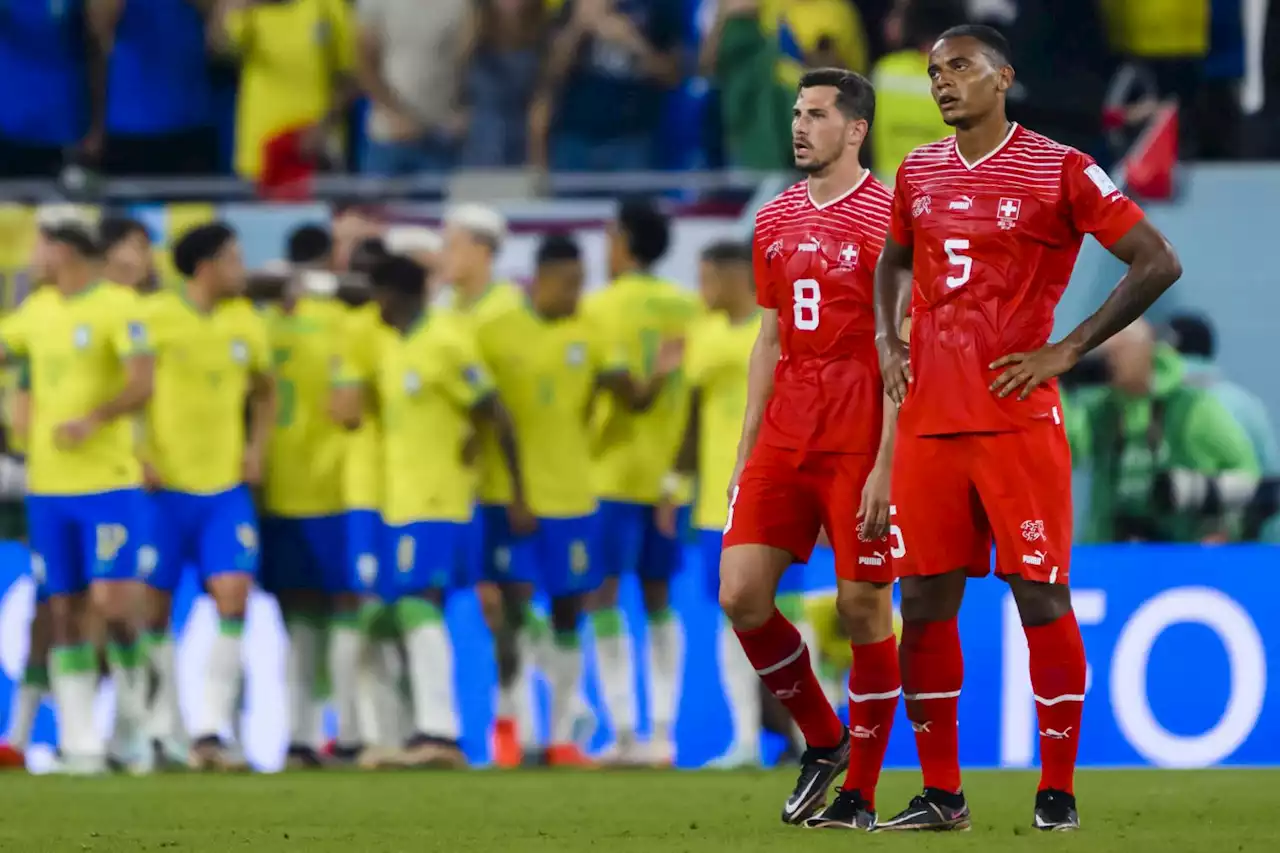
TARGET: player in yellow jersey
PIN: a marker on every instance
(127, 253)
(303, 529)
(430, 382)
(212, 355)
(637, 312)
(91, 369)
(716, 371)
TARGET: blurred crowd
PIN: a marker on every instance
(276, 89)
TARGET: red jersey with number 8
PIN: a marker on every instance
(815, 265)
(994, 243)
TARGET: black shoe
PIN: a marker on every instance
(849, 811)
(932, 811)
(1056, 812)
(345, 756)
(818, 769)
(300, 757)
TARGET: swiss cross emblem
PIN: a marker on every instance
(848, 255)
(1007, 212)
(1033, 531)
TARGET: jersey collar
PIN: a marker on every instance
(1004, 143)
(866, 173)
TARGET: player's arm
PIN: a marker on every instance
(262, 418)
(636, 394)
(765, 353)
(892, 300)
(347, 393)
(490, 412)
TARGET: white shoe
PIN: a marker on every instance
(659, 753)
(623, 752)
(130, 751)
(738, 756)
(170, 752)
(82, 765)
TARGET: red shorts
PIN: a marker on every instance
(953, 495)
(785, 496)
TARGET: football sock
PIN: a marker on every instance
(564, 666)
(430, 660)
(300, 675)
(346, 649)
(932, 674)
(664, 649)
(1057, 680)
(741, 691)
(218, 704)
(164, 715)
(73, 678)
(874, 688)
(781, 659)
(127, 675)
(26, 704)
(616, 667)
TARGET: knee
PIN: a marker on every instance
(231, 596)
(1041, 603)
(566, 613)
(657, 596)
(747, 602)
(866, 611)
(491, 606)
(116, 603)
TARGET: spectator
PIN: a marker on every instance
(818, 33)
(1147, 434)
(55, 88)
(296, 57)
(757, 88)
(159, 95)
(906, 115)
(505, 44)
(610, 65)
(411, 66)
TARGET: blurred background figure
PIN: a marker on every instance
(127, 253)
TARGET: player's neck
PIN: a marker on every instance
(979, 141)
(472, 287)
(836, 181)
(405, 321)
(73, 282)
(200, 298)
(742, 311)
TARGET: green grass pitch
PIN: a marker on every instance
(1219, 811)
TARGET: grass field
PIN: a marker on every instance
(646, 812)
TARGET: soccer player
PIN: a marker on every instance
(816, 449)
(128, 259)
(303, 529)
(989, 223)
(91, 369)
(212, 355)
(640, 421)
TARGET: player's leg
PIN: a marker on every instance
(160, 563)
(425, 556)
(661, 556)
(621, 535)
(30, 694)
(937, 531)
(1025, 483)
(774, 519)
(350, 645)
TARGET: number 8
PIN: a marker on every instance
(807, 295)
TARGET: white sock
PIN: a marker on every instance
(378, 699)
(741, 691)
(664, 674)
(564, 671)
(617, 676)
(220, 701)
(75, 693)
(400, 711)
(26, 704)
(300, 677)
(164, 715)
(522, 691)
(430, 660)
(346, 653)
(130, 686)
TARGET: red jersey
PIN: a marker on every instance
(815, 264)
(994, 243)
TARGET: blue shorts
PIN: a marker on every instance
(218, 534)
(490, 557)
(363, 533)
(558, 557)
(630, 541)
(709, 547)
(420, 556)
(305, 555)
(79, 539)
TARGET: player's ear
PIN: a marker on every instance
(856, 131)
(1004, 78)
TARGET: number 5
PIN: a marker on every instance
(954, 248)
(897, 547)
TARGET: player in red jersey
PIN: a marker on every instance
(990, 224)
(816, 448)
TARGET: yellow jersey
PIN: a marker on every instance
(428, 382)
(304, 463)
(716, 362)
(486, 318)
(362, 466)
(545, 372)
(195, 421)
(76, 348)
(633, 316)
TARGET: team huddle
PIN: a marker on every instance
(894, 389)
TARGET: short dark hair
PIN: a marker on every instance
(200, 244)
(924, 20)
(79, 236)
(367, 253)
(990, 38)
(116, 229)
(400, 275)
(558, 247)
(308, 244)
(727, 252)
(1193, 335)
(855, 96)
(647, 229)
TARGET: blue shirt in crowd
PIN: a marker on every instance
(158, 78)
(42, 64)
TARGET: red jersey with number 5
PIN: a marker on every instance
(994, 243)
(814, 265)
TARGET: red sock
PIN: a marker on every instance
(932, 673)
(781, 659)
(1057, 680)
(874, 688)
